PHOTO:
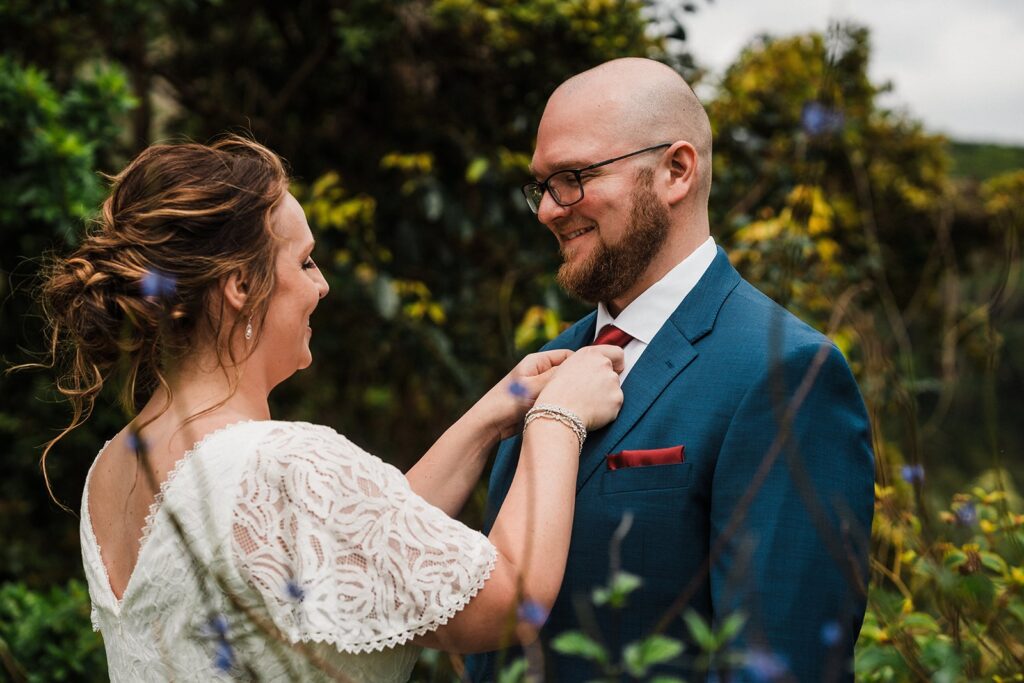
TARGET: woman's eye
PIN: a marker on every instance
(309, 263)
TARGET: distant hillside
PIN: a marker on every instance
(982, 161)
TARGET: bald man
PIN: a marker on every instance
(738, 477)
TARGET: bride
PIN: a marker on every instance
(218, 542)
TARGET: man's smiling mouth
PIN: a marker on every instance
(576, 233)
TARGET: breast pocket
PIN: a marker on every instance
(651, 478)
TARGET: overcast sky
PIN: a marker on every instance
(956, 65)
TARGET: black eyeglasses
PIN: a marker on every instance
(566, 186)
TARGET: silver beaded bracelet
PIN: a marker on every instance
(558, 414)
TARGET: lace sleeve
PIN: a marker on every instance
(342, 550)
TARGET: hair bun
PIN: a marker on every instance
(81, 299)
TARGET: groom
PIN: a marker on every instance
(739, 474)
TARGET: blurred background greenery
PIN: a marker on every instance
(409, 126)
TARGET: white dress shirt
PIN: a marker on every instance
(642, 318)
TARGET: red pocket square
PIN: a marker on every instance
(654, 456)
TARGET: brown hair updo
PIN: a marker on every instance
(135, 294)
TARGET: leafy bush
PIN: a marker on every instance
(947, 599)
(53, 141)
(47, 636)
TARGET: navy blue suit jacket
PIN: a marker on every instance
(723, 378)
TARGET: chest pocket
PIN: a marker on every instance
(649, 478)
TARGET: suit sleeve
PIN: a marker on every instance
(791, 507)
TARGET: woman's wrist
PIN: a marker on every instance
(563, 416)
(489, 418)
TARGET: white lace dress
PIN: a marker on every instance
(282, 551)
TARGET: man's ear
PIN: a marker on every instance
(683, 163)
(236, 291)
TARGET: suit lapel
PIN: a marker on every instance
(664, 358)
(668, 354)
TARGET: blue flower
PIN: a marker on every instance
(295, 591)
(967, 514)
(518, 390)
(817, 119)
(912, 474)
(157, 285)
(532, 613)
(224, 656)
(831, 632)
(216, 627)
(136, 442)
(764, 665)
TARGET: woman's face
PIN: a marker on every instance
(284, 339)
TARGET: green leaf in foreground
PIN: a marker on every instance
(577, 644)
(514, 672)
(621, 585)
(700, 631)
(656, 649)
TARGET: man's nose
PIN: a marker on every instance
(550, 211)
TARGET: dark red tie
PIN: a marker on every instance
(610, 334)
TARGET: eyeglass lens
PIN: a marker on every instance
(564, 187)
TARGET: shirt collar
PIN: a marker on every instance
(645, 315)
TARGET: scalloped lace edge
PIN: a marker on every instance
(86, 520)
(379, 644)
(158, 499)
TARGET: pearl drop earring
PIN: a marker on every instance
(248, 329)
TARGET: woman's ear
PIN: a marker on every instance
(236, 291)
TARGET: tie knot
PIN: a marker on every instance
(610, 334)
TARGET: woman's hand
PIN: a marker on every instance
(533, 527)
(588, 384)
(507, 402)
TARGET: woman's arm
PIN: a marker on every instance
(446, 474)
(533, 528)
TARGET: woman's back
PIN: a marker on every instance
(269, 534)
(126, 478)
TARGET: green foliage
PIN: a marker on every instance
(514, 672)
(709, 640)
(947, 596)
(639, 657)
(815, 205)
(618, 590)
(54, 142)
(578, 644)
(711, 648)
(50, 140)
(47, 636)
(983, 161)
(1002, 195)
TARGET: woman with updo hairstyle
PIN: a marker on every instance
(218, 542)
